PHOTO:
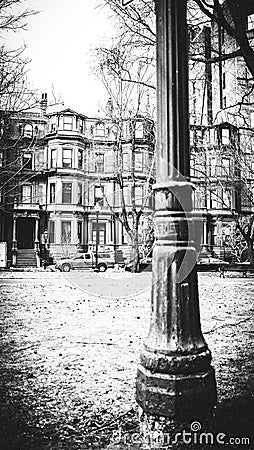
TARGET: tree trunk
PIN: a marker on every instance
(135, 249)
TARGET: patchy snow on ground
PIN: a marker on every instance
(70, 345)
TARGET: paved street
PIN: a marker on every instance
(70, 345)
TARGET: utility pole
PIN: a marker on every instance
(174, 379)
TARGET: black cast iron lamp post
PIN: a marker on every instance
(175, 378)
(97, 209)
(46, 239)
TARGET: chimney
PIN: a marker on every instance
(44, 103)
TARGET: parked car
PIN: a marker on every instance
(86, 261)
(145, 264)
(210, 263)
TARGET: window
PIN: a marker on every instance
(79, 257)
(127, 195)
(85, 161)
(26, 193)
(66, 232)
(53, 127)
(213, 167)
(139, 132)
(1, 159)
(101, 233)
(252, 119)
(79, 125)
(212, 136)
(125, 238)
(225, 136)
(53, 158)
(51, 231)
(67, 123)
(225, 166)
(126, 161)
(192, 165)
(250, 24)
(80, 158)
(139, 195)
(27, 161)
(199, 137)
(80, 194)
(79, 232)
(100, 162)
(139, 161)
(98, 195)
(39, 190)
(224, 102)
(100, 129)
(225, 198)
(28, 131)
(67, 157)
(67, 193)
(52, 193)
(199, 197)
(213, 199)
(90, 161)
(197, 169)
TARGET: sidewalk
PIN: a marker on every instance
(68, 358)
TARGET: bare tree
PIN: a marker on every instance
(14, 94)
(13, 16)
(232, 17)
(137, 23)
(16, 97)
(128, 112)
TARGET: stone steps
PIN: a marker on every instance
(26, 258)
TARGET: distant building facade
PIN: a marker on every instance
(23, 186)
(59, 179)
(221, 134)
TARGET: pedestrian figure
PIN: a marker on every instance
(222, 271)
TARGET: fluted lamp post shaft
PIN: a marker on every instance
(174, 378)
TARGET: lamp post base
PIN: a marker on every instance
(177, 397)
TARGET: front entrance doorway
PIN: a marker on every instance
(101, 233)
(25, 232)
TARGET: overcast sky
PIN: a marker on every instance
(59, 42)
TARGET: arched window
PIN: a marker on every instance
(100, 129)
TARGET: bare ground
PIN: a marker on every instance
(69, 351)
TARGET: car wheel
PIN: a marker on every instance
(66, 268)
(102, 267)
